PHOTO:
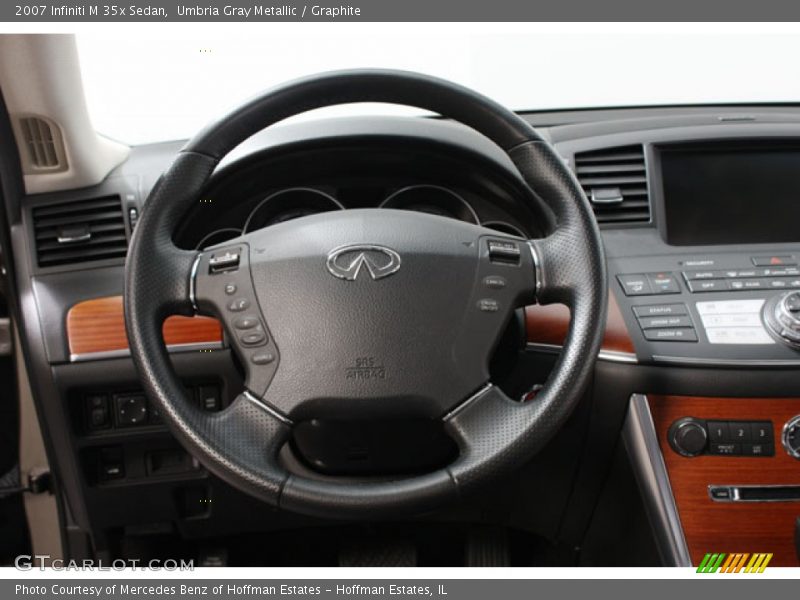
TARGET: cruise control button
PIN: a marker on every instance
(667, 321)
(262, 358)
(504, 252)
(671, 335)
(635, 285)
(488, 305)
(238, 305)
(494, 281)
(254, 338)
(246, 322)
(710, 285)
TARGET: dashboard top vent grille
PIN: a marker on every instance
(43, 145)
(79, 231)
(615, 180)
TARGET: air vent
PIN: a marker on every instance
(81, 231)
(45, 151)
(615, 180)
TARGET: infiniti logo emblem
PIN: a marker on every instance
(346, 262)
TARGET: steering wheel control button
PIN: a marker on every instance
(246, 322)
(504, 252)
(224, 261)
(230, 289)
(688, 437)
(238, 305)
(131, 410)
(635, 285)
(254, 338)
(488, 305)
(262, 358)
(494, 282)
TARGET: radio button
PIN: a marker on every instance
(739, 431)
(718, 431)
(761, 432)
(725, 449)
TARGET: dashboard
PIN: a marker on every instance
(267, 190)
(698, 208)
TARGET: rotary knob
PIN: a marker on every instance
(688, 437)
(781, 315)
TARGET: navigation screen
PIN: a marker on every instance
(724, 195)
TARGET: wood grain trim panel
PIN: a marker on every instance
(548, 324)
(731, 527)
(98, 325)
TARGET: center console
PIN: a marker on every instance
(714, 292)
(723, 308)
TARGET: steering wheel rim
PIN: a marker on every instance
(494, 434)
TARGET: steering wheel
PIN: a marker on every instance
(366, 312)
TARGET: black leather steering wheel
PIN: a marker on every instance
(366, 312)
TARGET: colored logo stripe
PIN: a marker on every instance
(734, 563)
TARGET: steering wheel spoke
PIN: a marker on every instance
(222, 286)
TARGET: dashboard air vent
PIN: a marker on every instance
(80, 231)
(44, 149)
(615, 180)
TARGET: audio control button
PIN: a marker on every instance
(254, 338)
(688, 437)
(238, 305)
(246, 322)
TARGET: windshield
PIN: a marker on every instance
(148, 88)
